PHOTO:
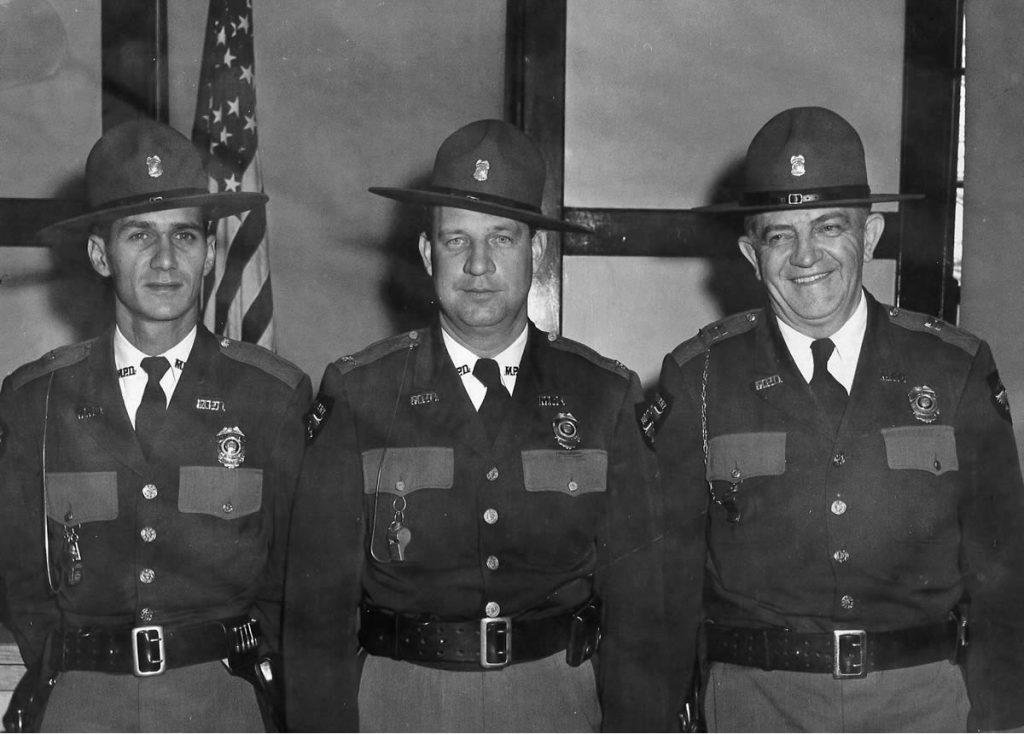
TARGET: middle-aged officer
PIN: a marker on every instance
(857, 470)
(166, 461)
(477, 501)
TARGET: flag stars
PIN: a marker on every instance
(228, 58)
(231, 183)
(243, 24)
(218, 115)
(225, 135)
(246, 74)
(222, 36)
(250, 123)
(233, 107)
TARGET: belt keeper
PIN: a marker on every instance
(766, 658)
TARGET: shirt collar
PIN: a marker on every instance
(510, 356)
(127, 354)
(848, 340)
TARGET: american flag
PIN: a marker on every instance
(237, 299)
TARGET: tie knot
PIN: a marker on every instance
(486, 370)
(821, 350)
(155, 367)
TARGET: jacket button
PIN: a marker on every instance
(400, 485)
(573, 486)
(145, 614)
(490, 516)
(492, 563)
(838, 507)
(839, 459)
(147, 575)
(846, 602)
(148, 534)
(149, 491)
(492, 474)
(841, 556)
(493, 609)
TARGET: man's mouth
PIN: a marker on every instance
(809, 279)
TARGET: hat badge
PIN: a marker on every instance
(154, 166)
(796, 165)
(482, 169)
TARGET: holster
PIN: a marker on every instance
(264, 673)
(584, 633)
(28, 701)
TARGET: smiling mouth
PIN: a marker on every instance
(811, 279)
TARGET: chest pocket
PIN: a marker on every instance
(570, 472)
(405, 470)
(736, 456)
(927, 448)
(79, 497)
(229, 494)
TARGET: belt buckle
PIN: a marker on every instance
(499, 631)
(146, 641)
(856, 640)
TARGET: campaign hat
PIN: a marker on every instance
(487, 166)
(804, 158)
(144, 166)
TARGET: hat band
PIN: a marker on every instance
(794, 198)
(152, 198)
(487, 198)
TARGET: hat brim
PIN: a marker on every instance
(436, 198)
(214, 206)
(735, 206)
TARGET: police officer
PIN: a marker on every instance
(477, 509)
(147, 474)
(855, 468)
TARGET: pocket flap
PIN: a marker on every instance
(76, 497)
(404, 470)
(571, 472)
(928, 448)
(225, 493)
(736, 456)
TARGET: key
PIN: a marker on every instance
(398, 538)
(73, 569)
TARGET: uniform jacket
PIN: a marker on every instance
(914, 506)
(560, 523)
(178, 538)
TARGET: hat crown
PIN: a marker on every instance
(491, 159)
(804, 149)
(142, 159)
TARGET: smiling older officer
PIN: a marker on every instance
(858, 481)
(481, 506)
(165, 459)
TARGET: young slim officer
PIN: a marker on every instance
(858, 481)
(165, 460)
(477, 507)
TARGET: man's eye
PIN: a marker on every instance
(456, 243)
(778, 239)
(502, 239)
(830, 230)
(138, 236)
(187, 236)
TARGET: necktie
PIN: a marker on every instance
(831, 395)
(153, 408)
(492, 410)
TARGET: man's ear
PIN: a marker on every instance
(539, 245)
(874, 225)
(425, 253)
(749, 250)
(211, 253)
(97, 250)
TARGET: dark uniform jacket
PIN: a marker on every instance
(401, 431)
(915, 506)
(179, 538)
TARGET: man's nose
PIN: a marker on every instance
(479, 260)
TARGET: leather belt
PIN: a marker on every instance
(150, 650)
(490, 642)
(850, 653)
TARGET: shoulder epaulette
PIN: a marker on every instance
(733, 325)
(574, 347)
(262, 359)
(914, 321)
(53, 360)
(377, 350)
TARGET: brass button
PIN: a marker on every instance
(146, 614)
(490, 516)
(838, 507)
(841, 556)
(493, 609)
(846, 602)
(492, 474)
(400, 485)
(148, 534)
(228, 508)
(839, 459)
(147, 575)
(149, 491)
(573, 486)
(492, 563)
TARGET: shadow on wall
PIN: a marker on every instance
(407, 290)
